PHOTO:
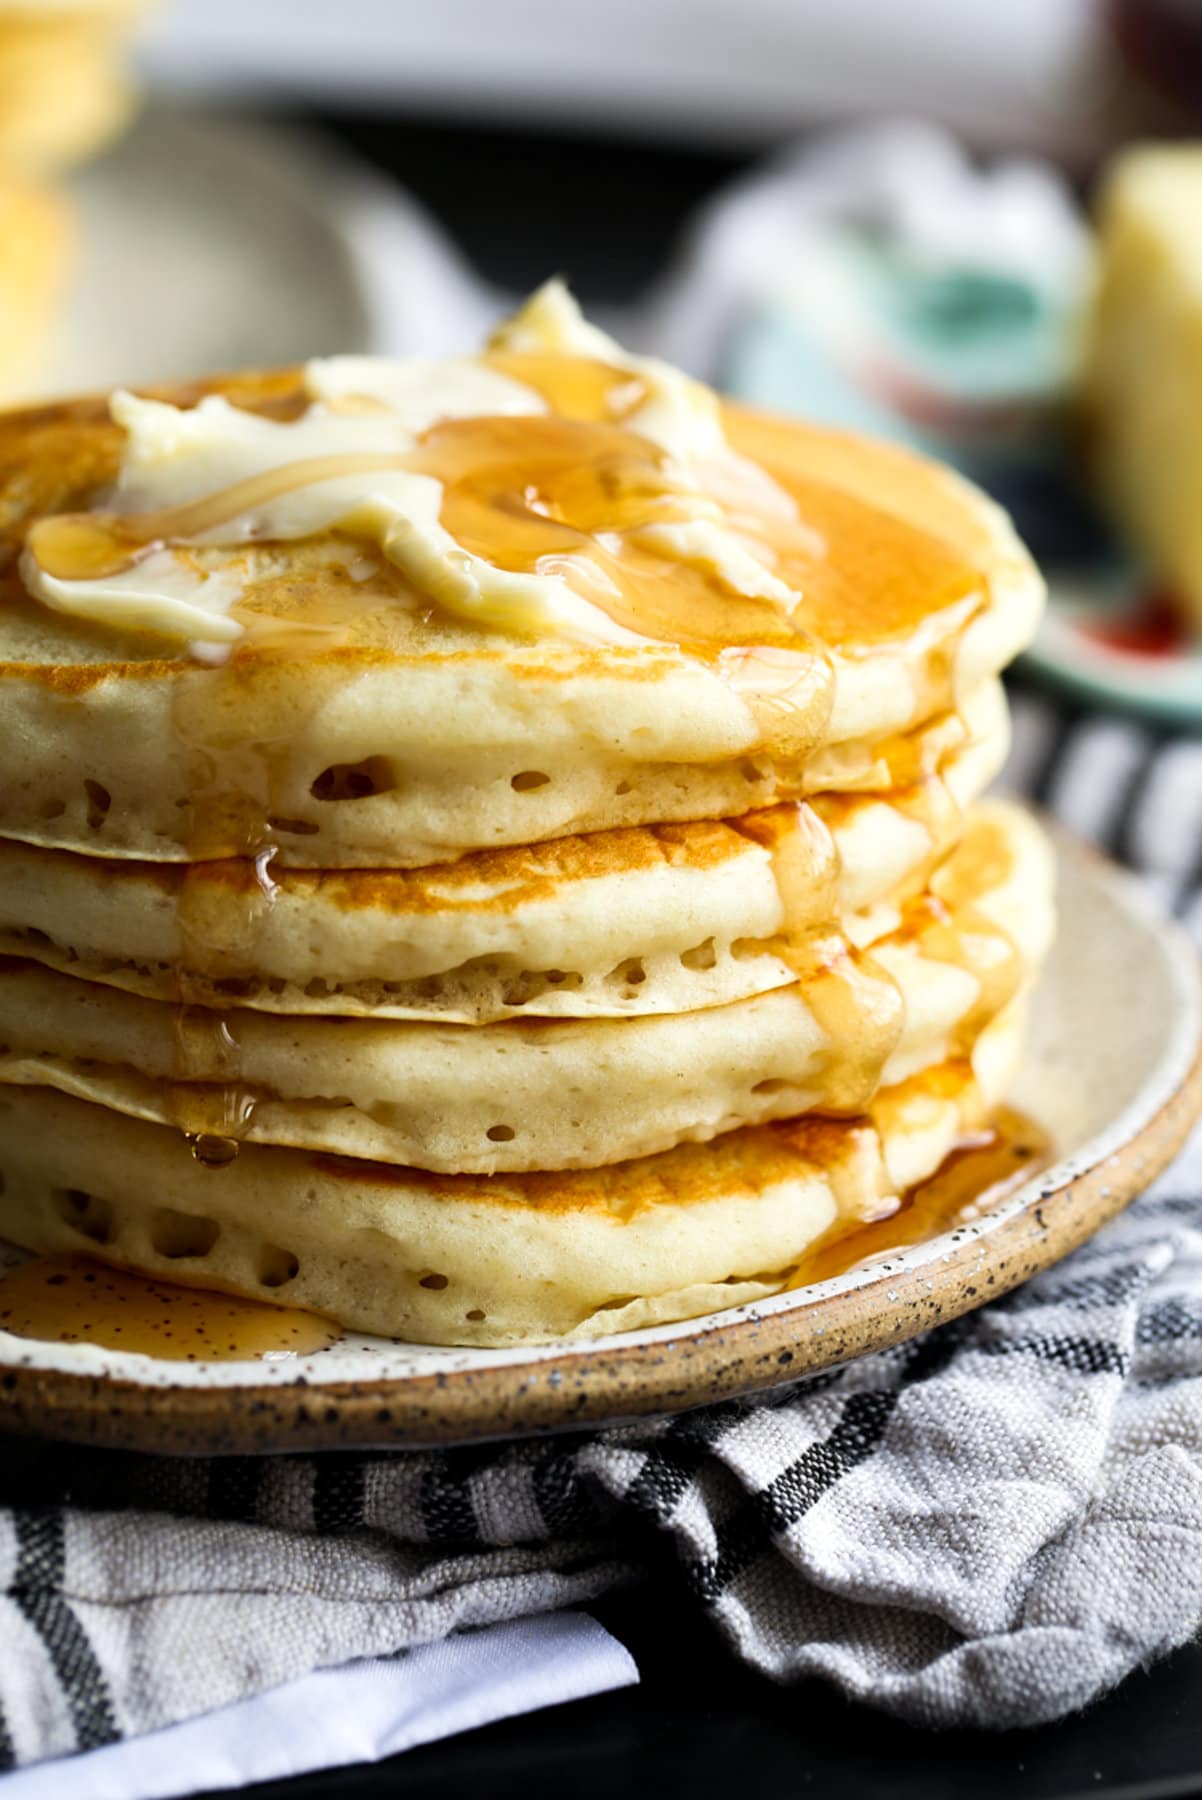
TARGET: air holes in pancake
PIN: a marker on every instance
(294, 827)
(174, 1234)
(52, 809)
(701, 956)
(622, 789)
(773, 1086)
(501, 1134)
(85, 1213)
(751, 771)
(437, 1282)
(630, 973)
(317, 989)
(744, 949)
(237, 987)
(476, 1316)
(355, 781)
(528, 779)
(276, 1267)
(99, 801)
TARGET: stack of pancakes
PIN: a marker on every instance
(556, 938)
(64, 92)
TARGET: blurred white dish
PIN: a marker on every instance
(209, 244)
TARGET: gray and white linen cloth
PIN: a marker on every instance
(987, 1526)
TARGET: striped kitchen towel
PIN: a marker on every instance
(987, 1526)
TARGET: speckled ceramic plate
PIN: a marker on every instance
(1114, 1073)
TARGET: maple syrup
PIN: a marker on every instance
(94, 546)
(978, 1174)
(70, 1300)
(857, 1002)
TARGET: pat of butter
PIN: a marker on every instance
(1142, 374)
(174, 457)
(179, 458)
(219, 476)
(680, 414)
(418, 393)
(161, 592)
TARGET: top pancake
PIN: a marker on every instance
(357, 724)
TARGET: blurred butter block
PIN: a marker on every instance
(1143, 364)
(37, 239)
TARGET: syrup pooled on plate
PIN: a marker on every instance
(969, 1183)
(69, 1300)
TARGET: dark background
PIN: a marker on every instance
(612, 208)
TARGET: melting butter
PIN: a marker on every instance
(684, 417)
(680, 414)
(419, 392)
(217, 476)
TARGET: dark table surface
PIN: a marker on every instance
(700, 1724)
(607, 215)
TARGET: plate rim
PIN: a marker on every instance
(749, 1350)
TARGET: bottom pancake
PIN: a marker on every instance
(485, 1260)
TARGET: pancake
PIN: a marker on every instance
(651, 919)
(490, 849)
(461, 1259)
(522, 1096)
(379, 710)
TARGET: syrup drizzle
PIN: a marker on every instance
(856, 1001)
(94, 546)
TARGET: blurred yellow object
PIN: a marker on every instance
(64, 90)
(1143, 361)
(64, 93)
(35, 244)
